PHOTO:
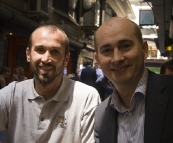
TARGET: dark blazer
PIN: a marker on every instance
(88, 76)
(158, 126)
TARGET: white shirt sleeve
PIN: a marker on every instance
(3, 114)
(100, 75)
(87, 123)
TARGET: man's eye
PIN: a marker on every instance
(126, 46)
(40, 50)
(55, 51)
(106, 51)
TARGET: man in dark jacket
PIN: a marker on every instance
(140, 109)
(88, 74)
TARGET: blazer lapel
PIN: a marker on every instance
(109, 127)
(155, 108)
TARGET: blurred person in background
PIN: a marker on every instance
(79, 73)
(50, 107)
(167, 67)
(5, 73)
(88, 74)
(95, 65)
(18, 74)
(99, 85)
(103, 85)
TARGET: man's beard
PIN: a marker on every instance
(44, 78)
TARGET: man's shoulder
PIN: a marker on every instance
(160, 77)
(160, 82)
(88, 68)
(82, 86)
(104, 109)
(24, 83)
(84, 89)
(17, 85)
(84, 93)
(106, 103)
(15, 90)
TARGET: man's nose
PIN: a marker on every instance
(46, 57)
(117, 56)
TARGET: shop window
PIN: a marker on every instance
(68, 7)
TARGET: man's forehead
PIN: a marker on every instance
(47, 30)
(44, 31)
(122, 27)
(115, 22)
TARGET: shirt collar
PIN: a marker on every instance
(62, 94)
(140, 89)
(142, 84)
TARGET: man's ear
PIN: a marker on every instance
(145, 49)
(28, 54)
(96, 57)
(67, 57)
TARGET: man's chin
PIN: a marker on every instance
(45, 81)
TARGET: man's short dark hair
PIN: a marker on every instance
(88, 62)
(166, 65)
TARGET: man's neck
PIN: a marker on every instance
(126, 92)
(126, 95)
(48, 90)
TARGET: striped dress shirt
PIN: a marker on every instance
(131, 121)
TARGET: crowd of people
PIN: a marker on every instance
(118, 100)
(5, 73)
(17, 75)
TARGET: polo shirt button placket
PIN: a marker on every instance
(131, 140)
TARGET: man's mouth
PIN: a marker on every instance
(120, 69)
(46, 68)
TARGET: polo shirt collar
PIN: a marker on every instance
(62, 94)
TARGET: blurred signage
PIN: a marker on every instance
(152, 52)
(146, 17)
(169, 48)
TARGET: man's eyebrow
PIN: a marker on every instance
(105, 46)
(43, 46)
(119, 42)
(39, 46)
(125, 40)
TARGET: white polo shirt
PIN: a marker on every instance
(67, 117)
